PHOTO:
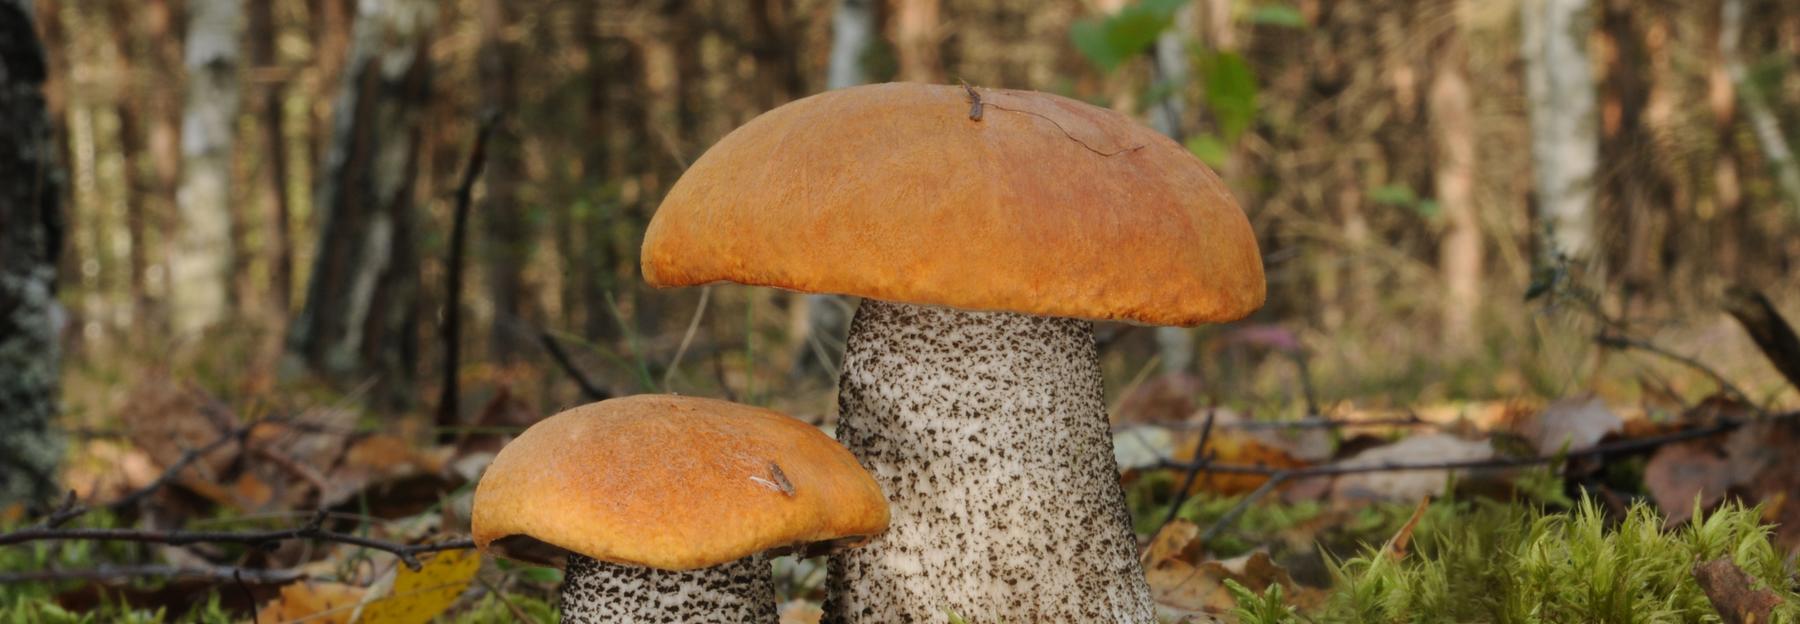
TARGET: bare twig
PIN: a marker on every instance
(112, 573)
(453, 281)
(557, 353)
(687, 338)
(1277, 476)
(1618, 341)
(314, 530)
(1201, 458)
(130, 501)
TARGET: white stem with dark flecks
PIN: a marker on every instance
(987, 432)
(596, 592)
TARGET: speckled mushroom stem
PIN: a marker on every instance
(596, 592)
(988, 434)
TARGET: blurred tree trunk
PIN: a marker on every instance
(163, 147)
(360, 318)
(30, 242)
(1169, 64)
(1453, 147)
(1632, 185)
(1564, 144)
(612, 73)
(818, 345)
(915, 37)
(268, 105)
(1776, 153)
(508, 228)
(200, 262)
(128, 103)
(1727, 183)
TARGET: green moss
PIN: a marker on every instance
(1507, 564)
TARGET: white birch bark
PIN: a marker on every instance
(1174, 345)
(1565, 145)
(199, 262)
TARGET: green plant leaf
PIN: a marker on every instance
(1109, 41)
(1210, 149)
(1231, 92)
(1277, 15)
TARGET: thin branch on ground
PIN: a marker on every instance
(593, 392)
(313, 530)
(1278, 476)
(131, 500)
(165, 572)
(1618, 341)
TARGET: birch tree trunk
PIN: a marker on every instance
(1175, 345)
(360, 319)
(819, 344)
(1452, 127)
(31, 225)
(1564, 141)
(200, 261)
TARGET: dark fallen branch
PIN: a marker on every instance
(1772, 333)
(1617, 341)
(314, 530)
(166, 572)
(448, 413)
(593, 392)
(1277, 476)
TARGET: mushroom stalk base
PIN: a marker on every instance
(596, 592)
(988, 434)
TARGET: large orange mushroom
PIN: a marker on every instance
(984, 229)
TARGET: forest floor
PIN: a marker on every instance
(1575, 471)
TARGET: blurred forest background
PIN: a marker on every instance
(253, 183)
(1453, 197)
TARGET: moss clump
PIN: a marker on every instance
(1508, 564)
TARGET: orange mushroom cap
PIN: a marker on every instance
(1044, 205)
(671, 482)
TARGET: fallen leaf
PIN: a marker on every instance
(415, 597)
(1413, 484)
(1573, 424)
(1680, 474)
(1754, 461)
(1396, 545)
(1733, 592)
(313, 603)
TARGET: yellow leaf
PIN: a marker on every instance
(312, 603)
(416, 597)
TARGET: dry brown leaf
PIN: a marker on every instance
(1755, 461)
(313, 603)
(1409, 485)
(1166, 398)
(1572, 423)
(1678, 474)
(1396, 545)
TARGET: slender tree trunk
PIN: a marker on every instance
(1453, 145)
(128, 105)
(819, 345)
(508, 231)
(915, 37)
(30, 242)
(611, 71)
(1564, 144)
(263, 33)
(360, 319)
(162, 143)
(1728, 194)
(200, 261)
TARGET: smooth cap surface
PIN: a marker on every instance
(1045, 205)
(671, 482)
